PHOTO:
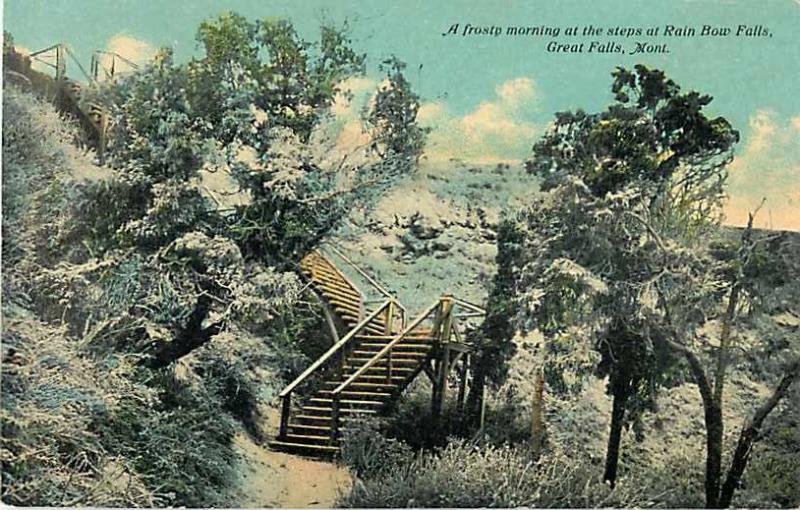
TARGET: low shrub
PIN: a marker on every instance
(53, 397)
(187, 437)
(412, 422)
(467, 476)
(369, 453)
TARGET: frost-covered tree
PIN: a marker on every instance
(616, 254)
(654, 152)
(150, 258)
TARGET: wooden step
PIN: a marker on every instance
(345, 309)
(303, 438)
(325, 283)
(346, 402)
(375, 394)
(334, 294)
(371, 328)
(359, 384)
(326, 411)
(352, 369)
(317, 271)
(337, 292)
(323, 266)
(409, 338)
(292, 446)
(326, 429)
(325, 420)
(355, 314)
(396, 354)
(383, 362)
(400, 348)
(371, 377)
(318, 430)
(333, 280)
(316, 418)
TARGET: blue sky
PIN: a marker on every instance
(488, 97)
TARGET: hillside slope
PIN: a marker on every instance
(434, 232)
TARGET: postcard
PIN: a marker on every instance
(378, 254)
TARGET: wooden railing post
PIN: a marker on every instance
(446, 324)
(389, 317)
(389, 367)
(335, 419)
(440, 387)
(286, 409)
(462, 383)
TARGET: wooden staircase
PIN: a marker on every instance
(341, 294)
(367, 369)
(310, 427)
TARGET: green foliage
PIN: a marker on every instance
(393, 117)
(617, 245)
(654, 132)
(465, 476)
(412, 422)
(290, 79)
(38, 157)
(185, 437)
(493, 340)
(8, 42)
(109, 431)
(139, 260)
(53, 395)
(369, 453)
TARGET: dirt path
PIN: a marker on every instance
(274, 479)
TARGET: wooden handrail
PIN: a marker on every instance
(400, 336)
(468, 305)
(470, 315)
(335, 348)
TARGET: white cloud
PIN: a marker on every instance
(138, 51)
(495, 131)
(768, 167)
(431, 112)
(343, 135)
(516, 90)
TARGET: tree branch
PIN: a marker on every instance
(750, 430)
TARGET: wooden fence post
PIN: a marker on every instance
(462, 383)
(389, 317)
(440, 388)
(335, 419)
(286, 409)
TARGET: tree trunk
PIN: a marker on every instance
(714, 427)
(615, 434)
(475, 396)
(537, 412)
(192, 337)
(749, 435)
(714, 432)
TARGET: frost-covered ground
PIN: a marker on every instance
(434, 233)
